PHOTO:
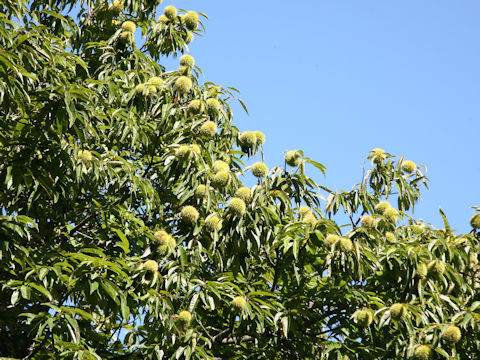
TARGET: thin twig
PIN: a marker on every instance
(206, 331)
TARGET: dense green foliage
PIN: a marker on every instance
(127, 231)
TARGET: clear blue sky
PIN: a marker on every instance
(338, 78)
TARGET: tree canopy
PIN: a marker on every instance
(128, 230)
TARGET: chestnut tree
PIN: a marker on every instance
(133, 226)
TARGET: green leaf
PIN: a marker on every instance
(445, 221)
(124, 308)
(124, 244)
(110, 290)
(285, 324)
(41, 289)
(14, 297)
